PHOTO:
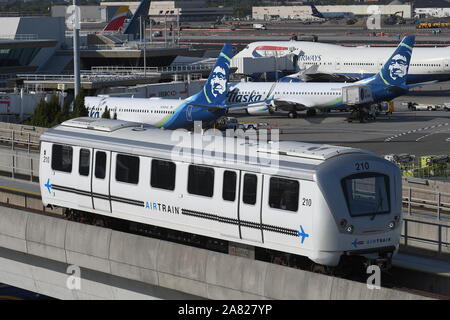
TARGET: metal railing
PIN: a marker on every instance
(441, 230)
(20, 166)
(167, 69)
(19, 139)
(19, 36)
(420, 201)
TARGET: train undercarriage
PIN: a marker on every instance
(351, 266)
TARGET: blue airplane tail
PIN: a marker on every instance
(142, 10)
(315, 12)
(394, 71)
(214, 92)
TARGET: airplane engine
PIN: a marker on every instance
(266, 110)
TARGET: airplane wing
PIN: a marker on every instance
(236, 106)
(415, 85)
(290, 104)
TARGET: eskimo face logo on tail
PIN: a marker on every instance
(398, 67)
(218, 81)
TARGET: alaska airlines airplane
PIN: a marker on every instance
(118, 19)
(330, 15)
(387, 84)
(319, 62)
(207, 105)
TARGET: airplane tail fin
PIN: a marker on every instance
(118, 20)
(315, 12)
(142, 10)
(214, 92)
(394, 71)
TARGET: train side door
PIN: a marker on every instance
(83, 162)
(101, 180)
(250, 206)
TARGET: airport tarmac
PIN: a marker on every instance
(413, 132)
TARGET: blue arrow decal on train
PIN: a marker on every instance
(302, 233)
(48, 185)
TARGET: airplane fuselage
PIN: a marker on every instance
(162, 113)
(427, 64)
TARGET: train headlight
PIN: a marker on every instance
(391, 225)
(349, 229)
(397, 218)
(343, 223)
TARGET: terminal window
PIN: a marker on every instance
(62, 158)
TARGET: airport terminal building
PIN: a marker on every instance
(298, 12)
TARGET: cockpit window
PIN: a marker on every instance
(367, 194)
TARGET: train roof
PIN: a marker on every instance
(137, 138)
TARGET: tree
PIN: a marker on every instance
(79, 110)
(46, 113)
(106, 114)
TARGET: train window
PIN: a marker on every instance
(62, 158)
(229, 186)
(250, 185)
(163, 174)
(85, 162)
(127, 169)
(100, 164)
(201, 181)
(367, 194)
(283, 194)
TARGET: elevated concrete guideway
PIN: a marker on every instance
(35, 251)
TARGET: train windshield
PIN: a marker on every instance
(367, 194)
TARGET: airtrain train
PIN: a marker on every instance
(322, 202)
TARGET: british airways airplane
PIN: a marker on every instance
(319, 62)
(387, 84)
(207, 105)
(330, 15)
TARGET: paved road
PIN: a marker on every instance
(418, 133)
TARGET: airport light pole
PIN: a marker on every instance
(76, 49)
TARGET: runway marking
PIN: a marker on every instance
(416, 130)
(430, 134)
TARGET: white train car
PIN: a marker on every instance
(317, 201)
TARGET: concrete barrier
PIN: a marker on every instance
(193, 271)
(88, 246)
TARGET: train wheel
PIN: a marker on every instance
(318, 268)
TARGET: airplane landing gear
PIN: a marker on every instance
(311, 112)
(292, 114)
(359, 114)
